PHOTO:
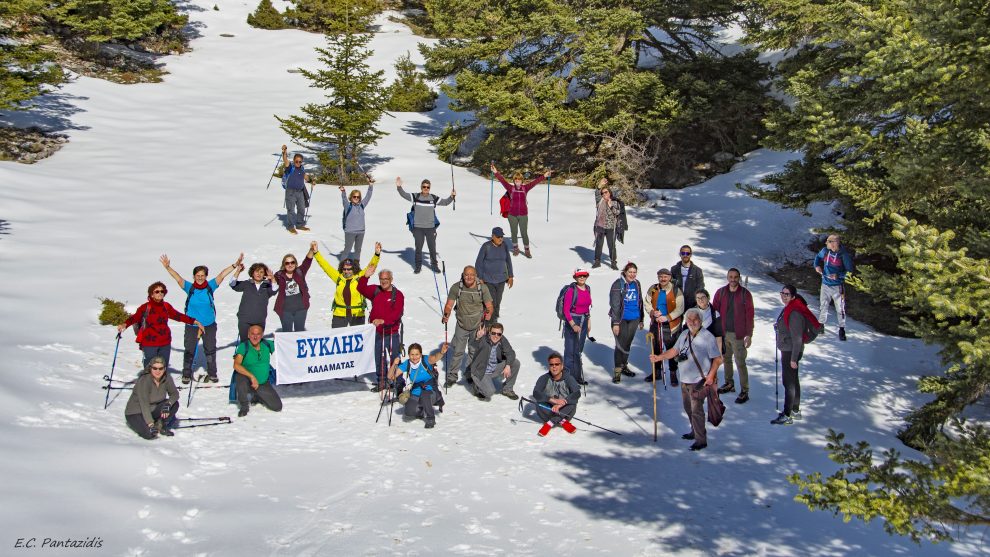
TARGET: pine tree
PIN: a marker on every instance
(25, 69)
(265, 16)
(333, 16)
(409, 92)
(890, 111)
(106, 20)
(347, 123)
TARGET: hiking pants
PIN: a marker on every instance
(792, 387)
(344, 321)
(293, 321)
(658, 347)
(430, 235)
(136, 421)
(826, 297)
(460, 342)
(422, 403)
(265, 393)
(623, 342)
(209, 349)
(567, 412)
(601, 234)
(517, 223)
(695, 410)
(295, 208)
(735, 350)
(496, 289)
(574, 346)
(387, 346)
(152, 351)
(352, 246)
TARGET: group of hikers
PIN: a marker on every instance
(691, 334)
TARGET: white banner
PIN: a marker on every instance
(318, 355)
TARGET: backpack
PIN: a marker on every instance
(812, 328)
(503, 205)
(347, 211)
(411, 215)
(144, 320)
(574, 297)
(285, 176)
(209, 291)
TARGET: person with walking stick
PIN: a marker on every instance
(518, 213)
(789, 330)
(387, 307)
(420, 392)
(354, 222)
(472, 303)
(152, 332)
(151, 409)
(294, 181)
(701, 358)
(556, 394)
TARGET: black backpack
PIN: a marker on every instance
(574, 297)
(209, 292)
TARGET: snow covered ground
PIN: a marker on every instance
(179, 168)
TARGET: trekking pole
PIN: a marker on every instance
(192, 366)
(453, 188)
(649, 338)
(665, 366)
(446, 358)
(548, 199)
(278, 159)
(776, 377)
(545, 407)
(312, 192)
(491, 189)
(222, 420)
(109, 378)
(842, 301)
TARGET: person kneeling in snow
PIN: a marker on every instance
(252, 362)
(493, 356)
(556, 394)
(420, 392)
(154, 401)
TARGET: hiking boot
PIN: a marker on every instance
(727, 388)
(417, 270)
(568, 426)
(186, 379)
(628, 373)
(698, 446)
(581, 381)
(211, 379)
(292, 231)
(529, 255)
(617, 375)
(688, 436)
(515, 251)
(651, 377)
(782, 419)
(673, 378)
(842, 333)
(449, 383)
(482, 397)
(430, 423)
(743, 397)
(796, 414)
(614, 266)
(435, 268)
(596, 264)
(243, 411)
(545, 429)
(510, 395)
(303, 228)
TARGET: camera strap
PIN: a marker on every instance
(696, 362)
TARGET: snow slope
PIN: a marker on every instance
(179, 167)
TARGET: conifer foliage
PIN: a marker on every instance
(355, 99)
(409, 92)
(890, 111)
(265, 16)
(25, 69)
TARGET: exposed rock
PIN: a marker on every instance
(29, 145)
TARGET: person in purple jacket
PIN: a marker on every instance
(577, 306)
(518, 209)
(292, 300)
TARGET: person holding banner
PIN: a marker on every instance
(252, 364)
(387, 306)
(421, 391)
(348, 303)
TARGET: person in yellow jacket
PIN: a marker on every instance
(348, 303)
(667, 303)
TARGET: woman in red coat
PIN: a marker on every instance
(518, 214)
(153, 334)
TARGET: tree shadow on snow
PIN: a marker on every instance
(52, 113)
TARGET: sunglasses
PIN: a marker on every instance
(494, 334)
(355, 197)
(424, 187)
(290, 263)
(347, 269)
(556, 364)
(159, 291)
(157, 368)
(788, 294)
(685, 253)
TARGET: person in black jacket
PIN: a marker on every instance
(556, 394)
(494, 266)
(255, 294)
(688, 276)
(493, 357)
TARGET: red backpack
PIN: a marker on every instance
(503, 205)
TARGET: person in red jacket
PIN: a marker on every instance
(153, 334)
(518, 209)
(387, 304)
(734, 304)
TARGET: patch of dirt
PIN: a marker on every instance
(29, 145)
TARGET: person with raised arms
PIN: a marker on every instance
(387, 307)
(255, 293)
(295, 191)
(354, 221)
(252, 364)
(292, 299)
(420, 392)
(200, 306)
(348, 307)
(152, 333)
(424, 220)
(518, 213)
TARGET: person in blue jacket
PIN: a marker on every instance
(420, 391)
(494, 265)
(834, 264)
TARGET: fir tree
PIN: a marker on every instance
(409, 92)
(265, 16)
(25, 69)
(105, 20)
(347, 123)
(890, 112)
(333, 16)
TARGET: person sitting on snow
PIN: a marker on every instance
(556, 394)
